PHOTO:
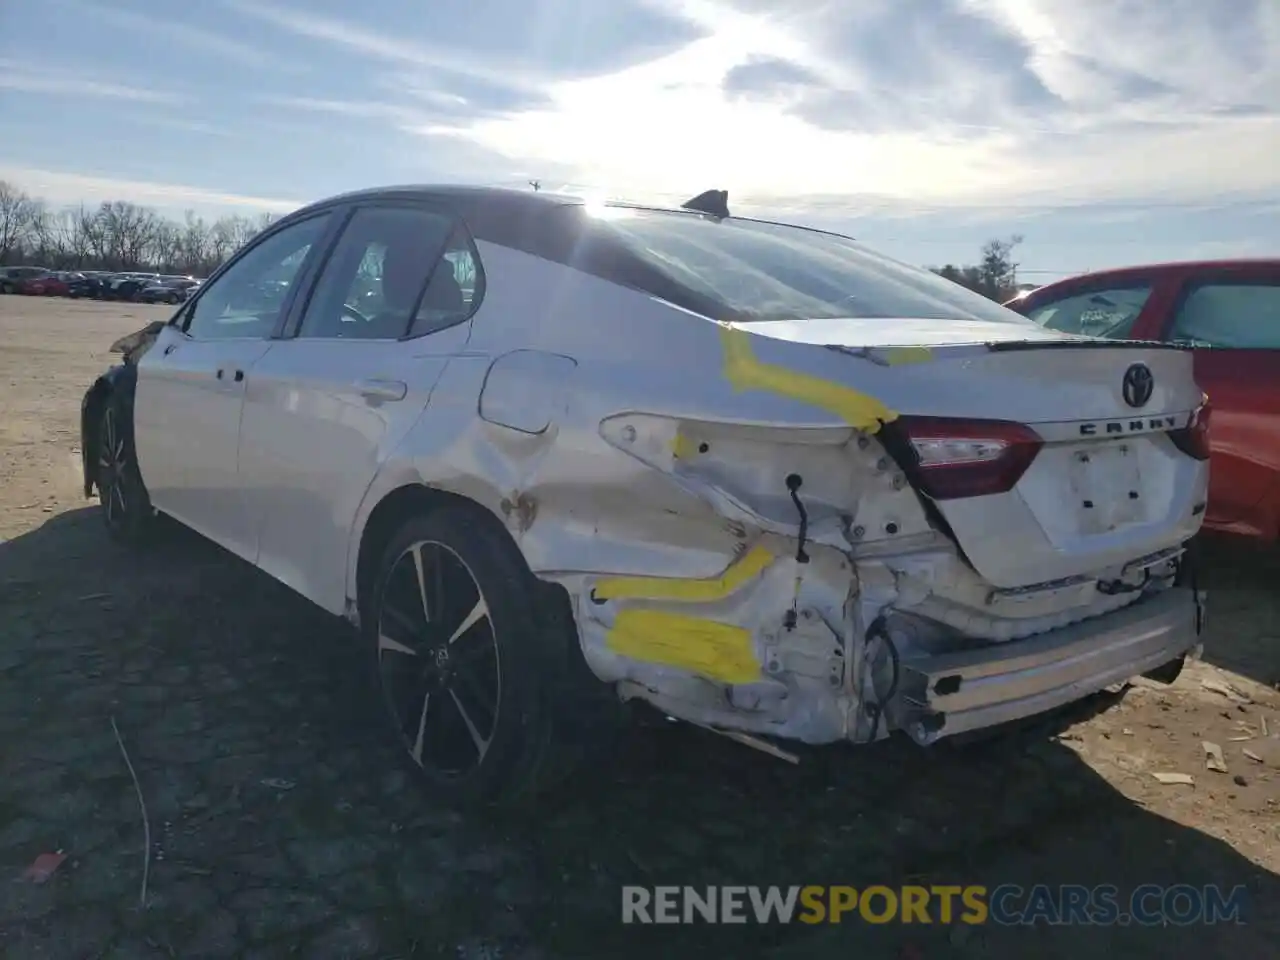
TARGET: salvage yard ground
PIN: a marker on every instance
(281, 825)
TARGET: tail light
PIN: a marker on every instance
(1193, 439)
(949, 459)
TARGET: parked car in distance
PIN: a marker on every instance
(128, 286)
(88, 284)
(565, 454)
(12, 277)
(47, 284)
(1227, 314)
(169, 290)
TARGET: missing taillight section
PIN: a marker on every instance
(1193, 439)
(948, 459)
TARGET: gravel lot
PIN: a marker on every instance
(281, 824)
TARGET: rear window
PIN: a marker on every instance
(760, 271)
(1109, 312)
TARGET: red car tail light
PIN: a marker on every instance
(1193, 439)
(950, 459)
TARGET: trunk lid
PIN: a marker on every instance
(1107, 478)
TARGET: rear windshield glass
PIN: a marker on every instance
(762, 271)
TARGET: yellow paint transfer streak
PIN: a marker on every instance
(902, 356)
(745, 372)
(718, 651)
(737, 575)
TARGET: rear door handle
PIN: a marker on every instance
(381, 390)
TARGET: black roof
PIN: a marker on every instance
(507, 216)
(458, 197)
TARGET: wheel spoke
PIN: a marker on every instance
(118, 493)
(109, 428)
(481, 743)
(422, 730)
(473, 684)
(401, 620)
(387, 643)
(422, 580)
(479, 612)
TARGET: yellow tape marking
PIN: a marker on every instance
(718, 651)
(682, 448)
(745, 372)
(901, 356)
(745, 569)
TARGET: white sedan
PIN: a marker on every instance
(549, 455)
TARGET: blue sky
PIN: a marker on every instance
(1104, 131)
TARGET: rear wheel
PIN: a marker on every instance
(467, 665)
(126, 507)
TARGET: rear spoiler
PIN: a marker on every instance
(1084, 343)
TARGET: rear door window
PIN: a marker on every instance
(1109, 313)
(396, 271)
(1243, 316)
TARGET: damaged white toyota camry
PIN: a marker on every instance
(547, 453)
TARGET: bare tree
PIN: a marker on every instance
(994, 276)
(16, 212)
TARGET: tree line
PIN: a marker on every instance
(118, 235)
(995, 275)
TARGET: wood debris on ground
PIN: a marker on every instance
(1213, 758)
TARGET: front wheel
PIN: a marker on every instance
(466, 665)
(126, 506)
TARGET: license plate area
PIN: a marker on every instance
(1106, 481)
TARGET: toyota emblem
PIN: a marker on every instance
(1138, 385)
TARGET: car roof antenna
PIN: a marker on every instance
(713, 202)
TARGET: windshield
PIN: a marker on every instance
(763, 271)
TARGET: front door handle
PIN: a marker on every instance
(380, 390)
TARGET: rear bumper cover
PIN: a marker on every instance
(946, 694)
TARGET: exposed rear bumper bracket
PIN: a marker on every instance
(946, 694)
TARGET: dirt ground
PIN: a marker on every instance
(281, 823)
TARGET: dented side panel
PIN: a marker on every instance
(650, 460)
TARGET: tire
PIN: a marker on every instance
(472, 690)
(126, 506)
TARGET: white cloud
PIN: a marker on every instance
(1156, 100)
(380, 46)
(57, 187)
(38, 79)
(165, 28)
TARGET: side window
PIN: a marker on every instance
(373, 284)
(455, 289)
(246, 300)
(1245, 316)
(1097, 313)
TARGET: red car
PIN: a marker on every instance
(1227, 313)
(46, 285)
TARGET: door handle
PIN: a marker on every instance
(382, 389)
